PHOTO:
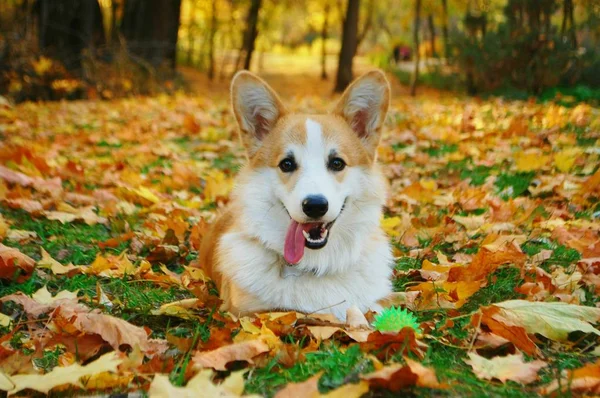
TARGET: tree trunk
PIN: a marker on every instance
(251, 32)
(431, 27)
(569, 19)
(368, 23)
(324, 34)
(67, 27)
(150, 28)
(349, 42)
(416, 29)
(445, 29)
(211, 40)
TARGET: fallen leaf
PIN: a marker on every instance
(12, 260)
(584, 381)
(67, 375)
(114, 331)
(219, 358)
(396, 377)
(18, 235)
(305, 389)
(200, 385)
(41, 301)
(351, 390)
(57, 268)
(554, 320)
(510, 367)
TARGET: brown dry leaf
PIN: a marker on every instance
(29, 205)
(15, 177)
(12, 260)
(19, 235)
(510, 367)
(114, 331)
(305, 389)
(69, 375)
(404, 341)
(41, 301)
(397, 376)
(219, 358)
(355, 390)
(355, 318)
(200, 385)
(515, 334)
(325, 333)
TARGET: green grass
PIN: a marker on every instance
(49, 358)
(501, 286)
(450, 367)
(513, 185)
(133, 300)
(227, 162)
(466, 170)
(440, 149)
(433, 79)
(74, 242)
(402, 282)
(562, 255)
(338, 367)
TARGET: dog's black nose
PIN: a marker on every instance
(315, 206)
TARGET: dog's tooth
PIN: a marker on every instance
(306, 235)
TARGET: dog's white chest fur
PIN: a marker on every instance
(259, 280)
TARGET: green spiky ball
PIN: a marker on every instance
(395, 319)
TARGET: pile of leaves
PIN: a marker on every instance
(493, 214)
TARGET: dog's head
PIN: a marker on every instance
(307, 173)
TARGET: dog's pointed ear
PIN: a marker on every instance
(364, 106)
(256, 107)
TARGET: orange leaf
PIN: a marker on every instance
(397, 376)
(515, 334)
(12, 260)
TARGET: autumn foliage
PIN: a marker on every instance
(493, 215)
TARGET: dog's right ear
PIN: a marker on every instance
(256, 106)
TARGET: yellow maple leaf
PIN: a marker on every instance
(531, 161)
(57, 268)
(63, 375)
(389, 225)
(565, 159)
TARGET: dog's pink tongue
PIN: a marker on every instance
(293, 249)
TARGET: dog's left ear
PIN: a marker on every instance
(364, 106)
(256, 106)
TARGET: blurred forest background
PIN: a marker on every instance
(55, 49)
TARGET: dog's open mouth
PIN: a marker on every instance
(299, 236)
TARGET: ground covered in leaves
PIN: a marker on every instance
(494, 214)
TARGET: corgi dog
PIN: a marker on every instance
(302, 228)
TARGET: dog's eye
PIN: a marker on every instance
(287, 165)
(336, 164)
